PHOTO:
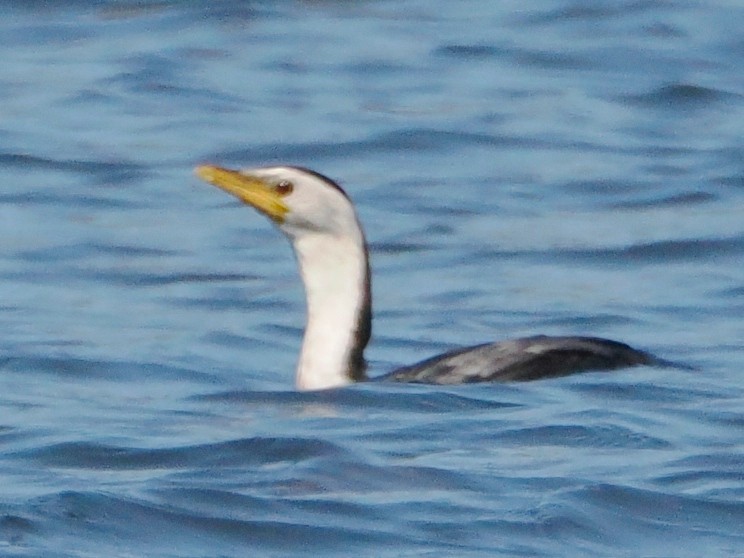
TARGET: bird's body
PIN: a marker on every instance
(320, 221)
(520, 360)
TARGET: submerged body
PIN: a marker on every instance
(520, 360)
(320, 221)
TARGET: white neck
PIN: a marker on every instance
(336, 277)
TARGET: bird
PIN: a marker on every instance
(320, 221)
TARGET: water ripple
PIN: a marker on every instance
(113, 172)
(680, 96)
(245, 452)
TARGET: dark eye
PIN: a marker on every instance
(284, 187)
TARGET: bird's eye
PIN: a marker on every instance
(284, 187)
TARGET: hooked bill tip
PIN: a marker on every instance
(206, 172)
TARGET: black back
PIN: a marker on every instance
(518, 360)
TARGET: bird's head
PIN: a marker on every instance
(299, 201)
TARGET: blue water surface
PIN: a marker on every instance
(558, 167)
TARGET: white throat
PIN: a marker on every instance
(335, 272)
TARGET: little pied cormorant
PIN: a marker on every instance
(320, 221)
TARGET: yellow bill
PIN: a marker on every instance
(249, 189)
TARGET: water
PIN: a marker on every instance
(522, 168)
